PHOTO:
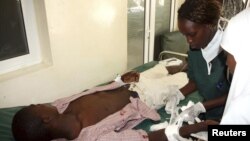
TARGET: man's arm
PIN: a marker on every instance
(184, 131)
(131, 76)
(179, 68)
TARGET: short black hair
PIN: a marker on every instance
(27, 126)
(201, 11)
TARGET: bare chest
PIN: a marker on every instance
(93, 108)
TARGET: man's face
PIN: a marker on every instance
(198, 35)
(42, 110)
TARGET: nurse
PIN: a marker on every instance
(198, 22)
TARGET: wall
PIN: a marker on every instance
(88, 42)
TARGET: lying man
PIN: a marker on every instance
(104, 113)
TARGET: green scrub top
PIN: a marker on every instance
(209, 86)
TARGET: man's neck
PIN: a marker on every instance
(66, 126)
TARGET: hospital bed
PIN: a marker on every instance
(6, 114)
(173, 44)
(168, 41)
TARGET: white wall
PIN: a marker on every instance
(88, 41)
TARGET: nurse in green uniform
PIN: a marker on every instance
(198, 21)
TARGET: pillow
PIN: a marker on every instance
(174, 41)
(7, 115)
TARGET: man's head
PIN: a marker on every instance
(197, 20)
(29, 124)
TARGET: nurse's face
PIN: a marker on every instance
(231, 63)
(198, 35)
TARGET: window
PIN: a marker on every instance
(13, 41)
(19, 42)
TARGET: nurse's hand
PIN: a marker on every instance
(131, 76)
(173, 98)
(192, 112)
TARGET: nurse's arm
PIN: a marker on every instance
(220, 101)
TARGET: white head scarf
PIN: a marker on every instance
(236, 41)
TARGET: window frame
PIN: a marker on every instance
(31, 29)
